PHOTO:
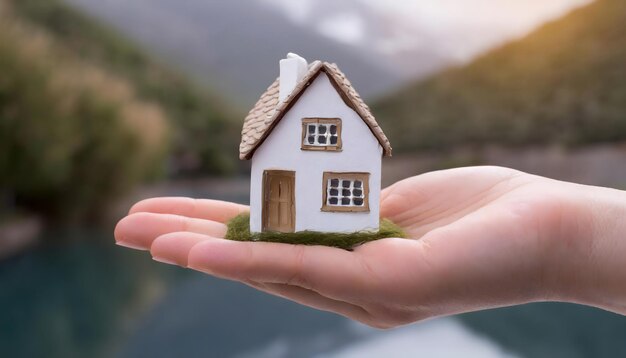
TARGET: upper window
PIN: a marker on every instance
(346, 192)
(321, 134)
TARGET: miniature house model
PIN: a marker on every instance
(316, 153)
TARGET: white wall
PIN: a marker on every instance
(281, 150)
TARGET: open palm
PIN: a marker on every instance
(481, 237)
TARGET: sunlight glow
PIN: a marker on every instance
(462, 28)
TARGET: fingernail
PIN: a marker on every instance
(165, 261)
(203, 270)
(130, 245)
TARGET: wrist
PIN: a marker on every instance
(594, 249)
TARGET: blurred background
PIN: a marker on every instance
(105, 102)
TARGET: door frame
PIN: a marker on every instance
(265, 192)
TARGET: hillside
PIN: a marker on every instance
(85, 116)
(202, 125)
(565, 83)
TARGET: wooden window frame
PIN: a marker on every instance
(330, 147)
(363, 177)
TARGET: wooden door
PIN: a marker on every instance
(279, 209)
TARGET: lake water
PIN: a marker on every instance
(94, 299)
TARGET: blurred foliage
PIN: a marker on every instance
(205, 135)
(71, 137)
(565, 83)
(85, 116)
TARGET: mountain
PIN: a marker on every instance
(403, 42)
(564, 83)
(85, 115)
(203, 127)
(71, 134)
(236, 43)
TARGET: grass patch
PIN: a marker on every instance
(239, 230)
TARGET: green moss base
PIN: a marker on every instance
(239, 230)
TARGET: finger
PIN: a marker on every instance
(174, 249)
(215, 210)
(140, 229)
(335, 273)
(313, 299)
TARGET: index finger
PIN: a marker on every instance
(333, 272)
(207, 209)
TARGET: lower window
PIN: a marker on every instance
(346, 192)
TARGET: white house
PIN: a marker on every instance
(316, 153)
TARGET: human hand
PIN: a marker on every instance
(481, 237)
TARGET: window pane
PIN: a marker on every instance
(323, 135)
(346, 192)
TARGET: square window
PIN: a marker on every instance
(341, 194)
(321, 134)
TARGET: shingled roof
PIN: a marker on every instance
(267, 112)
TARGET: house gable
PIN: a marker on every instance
(268, 111)
(284, 143)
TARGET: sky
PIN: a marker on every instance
(463, 28)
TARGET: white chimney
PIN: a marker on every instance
(292, 69)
